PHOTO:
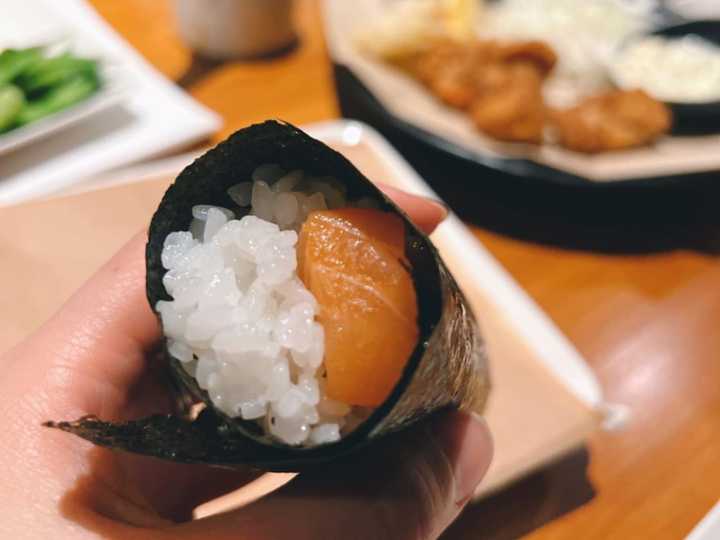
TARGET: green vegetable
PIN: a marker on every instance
(14, 61)
(50, 72)
(12, 102)
(58, 98)
(33, 86)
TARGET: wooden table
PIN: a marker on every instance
(648, 324)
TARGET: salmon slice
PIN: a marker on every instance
(353, 262)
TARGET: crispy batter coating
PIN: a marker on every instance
(499, 83)
(450, 68)
(509, 105)
(537, 53)
(612, 121)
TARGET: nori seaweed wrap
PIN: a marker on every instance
(446, 367)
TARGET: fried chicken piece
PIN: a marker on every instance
(437, 59)
(500, 83)
(612, 121)
(453, 71)
(449, 70)
(537, 53)
(509, 105)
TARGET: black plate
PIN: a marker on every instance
(535, 203)
(356, 101)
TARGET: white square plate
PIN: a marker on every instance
(108, 95)
(142, 114)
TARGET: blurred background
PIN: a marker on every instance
(578, 142)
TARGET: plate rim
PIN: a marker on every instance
(109, 94)
(516, 167)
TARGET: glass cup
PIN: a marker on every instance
(225, 29)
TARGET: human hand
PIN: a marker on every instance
(94, 357)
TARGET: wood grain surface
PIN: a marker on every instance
(649, 324)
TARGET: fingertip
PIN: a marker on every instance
(425, 212)
(436, 214)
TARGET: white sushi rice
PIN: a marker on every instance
(241, 322)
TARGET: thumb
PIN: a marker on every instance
(411, 486)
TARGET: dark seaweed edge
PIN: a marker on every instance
(233, 161)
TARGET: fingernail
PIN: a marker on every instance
(468, 447)
(440, 207)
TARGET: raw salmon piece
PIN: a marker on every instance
(353, 261)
